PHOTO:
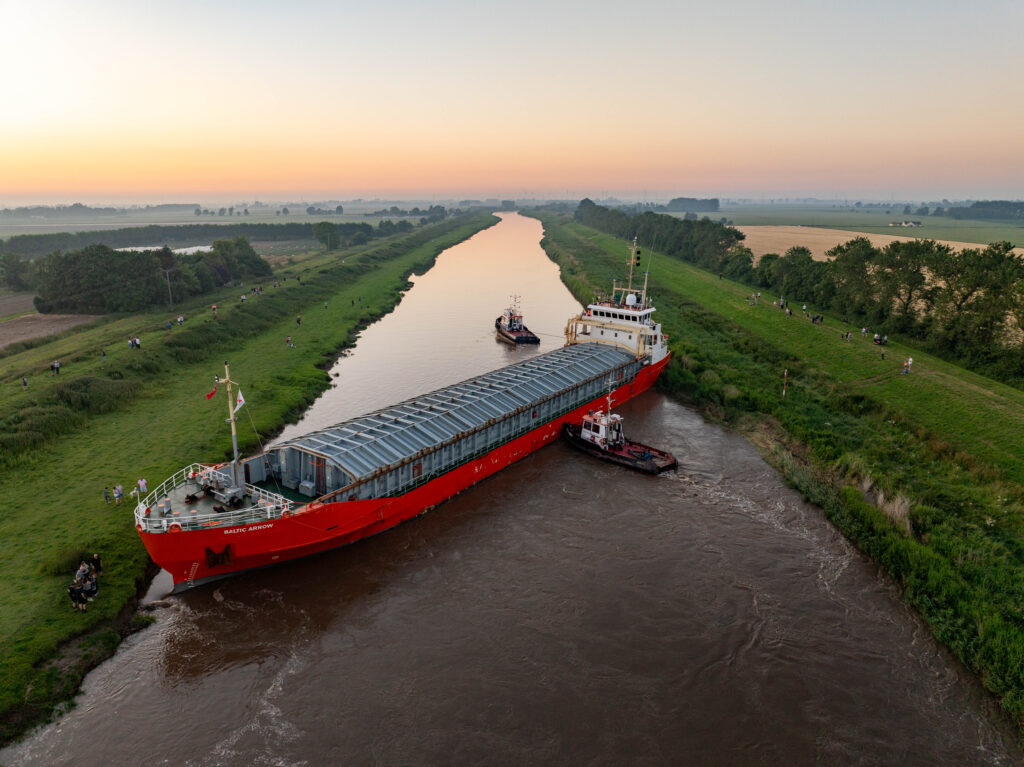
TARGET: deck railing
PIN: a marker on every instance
(265, 505)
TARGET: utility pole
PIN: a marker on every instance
(167, 275)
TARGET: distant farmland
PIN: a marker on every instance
(779, 239)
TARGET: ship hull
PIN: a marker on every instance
(193, 557)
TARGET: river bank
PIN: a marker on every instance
(923, 472)
(160, 428)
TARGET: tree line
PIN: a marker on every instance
(98, 279)
(20, 254)
(989, 209)
(33, 245)
(74, 278)
(706, 243)
(426, 215)
(967, 307)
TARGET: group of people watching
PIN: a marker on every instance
(85, 586)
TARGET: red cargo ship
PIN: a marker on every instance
(350, 481)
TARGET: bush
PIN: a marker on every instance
(96, 395)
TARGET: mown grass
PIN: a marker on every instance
(52, 495)
(924, 472)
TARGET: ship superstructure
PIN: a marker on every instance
(624, 320)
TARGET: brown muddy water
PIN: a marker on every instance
(563, 612)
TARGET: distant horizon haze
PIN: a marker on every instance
(114, 100)
(453, 198)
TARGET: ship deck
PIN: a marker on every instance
(181, 500)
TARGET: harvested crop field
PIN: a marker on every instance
(16, 303)
(32, 326)
(779, 239)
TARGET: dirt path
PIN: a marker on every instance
(779, 239)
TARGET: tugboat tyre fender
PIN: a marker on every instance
(175, 527)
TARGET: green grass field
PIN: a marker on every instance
(52, 509)
(924, 472)
(11, 225)
(873, 221)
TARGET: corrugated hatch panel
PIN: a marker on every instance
(363, 445)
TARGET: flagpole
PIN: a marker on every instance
(234, 430)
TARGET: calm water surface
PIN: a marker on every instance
(562, 612)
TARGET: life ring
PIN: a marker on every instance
(148, 510)
(139, 527)
(175, 527)
(602, 440)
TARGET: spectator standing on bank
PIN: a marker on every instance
(106, 495)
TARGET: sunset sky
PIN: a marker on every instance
(198, 101)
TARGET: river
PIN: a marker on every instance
(562, 612)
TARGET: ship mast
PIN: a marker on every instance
(617, 288)
(235, 484)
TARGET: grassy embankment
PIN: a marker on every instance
(872, 221)
(923, 472)
(143, 413)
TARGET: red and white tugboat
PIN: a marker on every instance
(600, 434)
(510, 326)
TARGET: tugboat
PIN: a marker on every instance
(600, 434)
(510, 326)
